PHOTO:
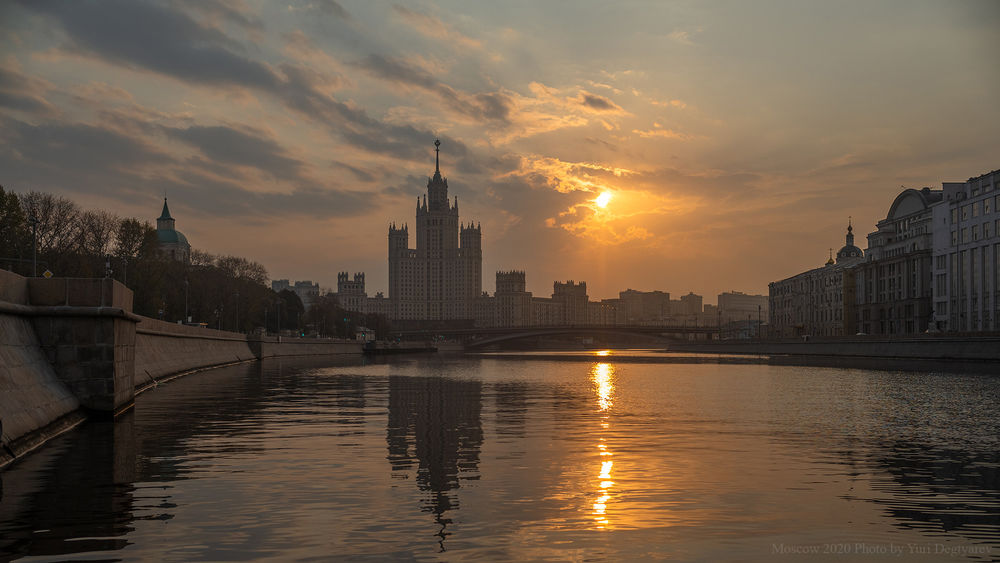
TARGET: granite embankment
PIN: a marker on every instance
(72, 348)
(981, 348)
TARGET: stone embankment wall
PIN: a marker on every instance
(928, 347)
(73, 347)
(274, 347)
(163, 349)
(31, 395)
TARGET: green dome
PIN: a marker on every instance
(166, 236)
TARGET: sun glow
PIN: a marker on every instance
(603, 199)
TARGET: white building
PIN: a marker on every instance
(966, 255)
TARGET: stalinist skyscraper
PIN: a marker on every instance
(443, 276)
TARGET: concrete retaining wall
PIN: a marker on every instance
(69, 347)
(275, 347)
(976, 348)
(163, 349)
(31, 395)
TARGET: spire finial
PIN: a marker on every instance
(849, 227)
(437, 153)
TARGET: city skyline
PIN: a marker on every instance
(734, 143)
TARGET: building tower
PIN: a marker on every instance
(442, 277)
(172, 242)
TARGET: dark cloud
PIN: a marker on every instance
(81, 158)
(157, 38)
(358, 173)
(223, 198)
(331, 7)
(19, 92)
(153, 37)
(244, 148)
(492, 106)
(599, 103)
(232, 11)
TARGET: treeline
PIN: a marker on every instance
(226, 292)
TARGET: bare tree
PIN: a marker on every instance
(58, 221)
(97, 231)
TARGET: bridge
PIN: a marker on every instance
(480, 337)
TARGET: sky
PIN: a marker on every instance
(734, 138)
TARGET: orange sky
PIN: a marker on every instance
(734, 138)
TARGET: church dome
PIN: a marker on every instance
(849, 251)
(167, 236)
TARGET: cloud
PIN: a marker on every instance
(20, 92)
(489, 106)
(241, 147)
(434, 28)
(681, 36)
(598, 103)
(76, 158)
(662, 133)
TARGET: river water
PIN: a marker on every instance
(587, 456)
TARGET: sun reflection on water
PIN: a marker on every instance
(602, 376)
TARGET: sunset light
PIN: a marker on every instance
(527, 281)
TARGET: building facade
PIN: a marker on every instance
(735, 306)
(892, 287)
(173, 244)
(813, 303)
(966, 256)
(441, 278)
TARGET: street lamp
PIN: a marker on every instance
(187, 318)
(237, 311)
(34, 245)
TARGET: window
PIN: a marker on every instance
(954, 216)
(975, 209)
(986, 206)
(965, 212)
(965, 235)
(986, 229)
(975, 232)
(954, 238)
(941, 261)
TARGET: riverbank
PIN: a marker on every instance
(965, 348)
(72, 349)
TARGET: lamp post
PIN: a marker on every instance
(34, 245)
(186, 317)
(237, 311)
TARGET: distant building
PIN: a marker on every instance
(351, 294)
(813, 302)
(892, 286)
(739, 306)
(572, 299)
(641, 307)
(966, 255)
(172, 242)
(442, 277)
(307, 291)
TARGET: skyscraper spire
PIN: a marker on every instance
(437, 153)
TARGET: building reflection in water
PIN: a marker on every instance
(602, 375)
(435, 424)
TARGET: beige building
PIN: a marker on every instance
(892, 286)
(966, 256)
(738, 306)
(441, 278)
(813, 303)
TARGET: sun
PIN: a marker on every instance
(603, 199)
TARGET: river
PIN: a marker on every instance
(586, 456)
